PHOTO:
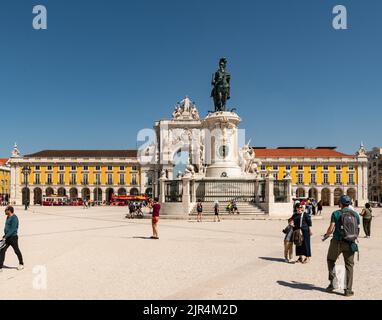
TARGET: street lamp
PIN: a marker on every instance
(26, 172)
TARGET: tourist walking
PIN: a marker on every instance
(216, 209)
(366, 219)
(288, 241)
(344, 225)
(10, 238)
(155, 218)
(199, 209)
(319, 207)
(303, 224)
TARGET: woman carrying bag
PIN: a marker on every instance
(302, 232)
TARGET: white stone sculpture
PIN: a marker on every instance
(15, 152)
(247, 160)
(194, 113)
(185, 110)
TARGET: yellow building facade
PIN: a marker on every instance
(94, 175)
(5, 180)
(322, 173)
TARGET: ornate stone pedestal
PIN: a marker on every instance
(221, 144)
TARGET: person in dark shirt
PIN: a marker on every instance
(199, 209)
(303, 222)
(340, 246)
(367, 216)
(11, 238)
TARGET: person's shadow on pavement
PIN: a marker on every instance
(304, 286)
(144, 238)
(272, 259)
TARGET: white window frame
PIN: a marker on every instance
(300, 178)
(109, 178)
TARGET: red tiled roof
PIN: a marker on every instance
(84, 154)
(300, 152)
(3, 161)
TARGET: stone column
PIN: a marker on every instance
(193, 191)
(288, 179)
(269, 189)
(331, 201)
(186, 191)
(162, 195)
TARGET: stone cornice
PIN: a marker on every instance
(88, 161)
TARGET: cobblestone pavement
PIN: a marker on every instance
(74, 253)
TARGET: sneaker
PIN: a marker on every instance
(330, 288)
(286, 260)
(348, 293)
(20, 267)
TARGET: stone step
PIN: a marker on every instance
(244, 208)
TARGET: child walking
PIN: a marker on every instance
(288, 241)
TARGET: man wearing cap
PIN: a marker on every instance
(338, 246)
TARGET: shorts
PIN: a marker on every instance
(155, 220)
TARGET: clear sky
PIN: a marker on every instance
(106, 69)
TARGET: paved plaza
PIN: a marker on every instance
(98, 254)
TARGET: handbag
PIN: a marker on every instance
(298, 237)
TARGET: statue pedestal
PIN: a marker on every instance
(221, 144)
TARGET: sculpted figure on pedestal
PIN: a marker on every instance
(221, 86)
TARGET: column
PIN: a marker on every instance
(269, 189)
(193, 191)
(162, 195)
(331, 202)
(186, 191)
(288, 179)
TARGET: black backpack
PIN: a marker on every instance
(349, 226)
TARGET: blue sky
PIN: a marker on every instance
(106, 69)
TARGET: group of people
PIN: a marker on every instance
(344, 226)
(231, 208)
(312, 206)
(135, 209)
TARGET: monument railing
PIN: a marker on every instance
(260, 192)
(227, 190)
(173, 191)
(280, 191)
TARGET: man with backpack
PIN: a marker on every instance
(344, 225)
